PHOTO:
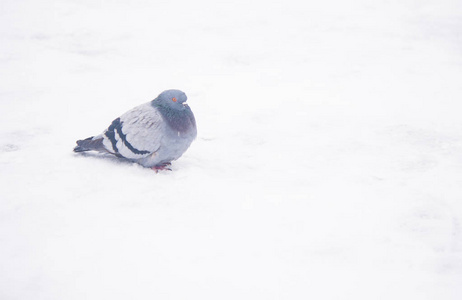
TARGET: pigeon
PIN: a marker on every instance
(152, 134)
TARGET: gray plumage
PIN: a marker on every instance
(152, 134)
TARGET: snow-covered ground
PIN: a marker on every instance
(328, 163)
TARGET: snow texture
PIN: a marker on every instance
(328, 163)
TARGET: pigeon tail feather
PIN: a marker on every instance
(89, 144)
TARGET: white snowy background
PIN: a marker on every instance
(328, 163)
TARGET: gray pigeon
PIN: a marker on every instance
(152, 134)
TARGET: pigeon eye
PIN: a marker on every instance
(174, 99)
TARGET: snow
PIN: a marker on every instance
(328, 163)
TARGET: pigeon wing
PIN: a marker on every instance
(136, 134)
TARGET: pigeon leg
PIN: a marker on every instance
(162, 167)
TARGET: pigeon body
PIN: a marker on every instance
(152, 134)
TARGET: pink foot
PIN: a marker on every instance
(162, 167)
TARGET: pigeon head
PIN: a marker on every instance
(172, 106)
(174, 99)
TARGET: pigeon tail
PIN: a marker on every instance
(89, 144)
